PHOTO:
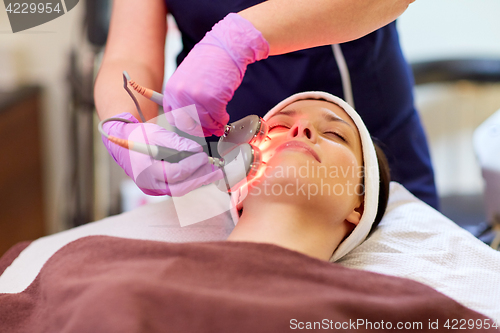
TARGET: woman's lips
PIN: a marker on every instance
(300, 146)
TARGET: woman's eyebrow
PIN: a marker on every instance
(326, 116)
(286, 113)
(330, 117)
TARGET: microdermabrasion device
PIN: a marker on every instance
(240, 160)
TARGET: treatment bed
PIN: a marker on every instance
(413, 241)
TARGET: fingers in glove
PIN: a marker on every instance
(158, 135)
(170, 118)
(202, 176)
(178, 172)
(178, 179)
(188, 120)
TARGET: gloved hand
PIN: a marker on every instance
(158, 177)
(210, 74)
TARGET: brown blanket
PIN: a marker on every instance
(9, 256)
(107, 284)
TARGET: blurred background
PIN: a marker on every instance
(55, 173)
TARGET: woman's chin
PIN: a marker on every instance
(291, 163)
(289, 157)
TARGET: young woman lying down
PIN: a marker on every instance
(324, 188)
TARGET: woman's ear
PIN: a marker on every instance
(355, 216)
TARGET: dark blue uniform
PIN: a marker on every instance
(381, 81)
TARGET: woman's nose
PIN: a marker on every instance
(302, 128)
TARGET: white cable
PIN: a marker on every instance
(344, 74)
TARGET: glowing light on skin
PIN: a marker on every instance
(266, 155)
(255, 176)
(258, 175)
(276, 128)
(266, 146)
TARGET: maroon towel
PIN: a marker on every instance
(108, 284)
(9, 256)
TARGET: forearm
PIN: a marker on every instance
(111, 98)
(136, 43)
(291, 25)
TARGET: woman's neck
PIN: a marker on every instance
(295, 227)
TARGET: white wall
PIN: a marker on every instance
(451, 29)
(434, 29)
(40, 55)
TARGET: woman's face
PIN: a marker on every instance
(314, 154)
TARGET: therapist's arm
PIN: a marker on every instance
(291, 25)
(136, 43)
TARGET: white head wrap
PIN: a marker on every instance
(371, 176)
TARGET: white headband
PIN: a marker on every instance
(371, 176)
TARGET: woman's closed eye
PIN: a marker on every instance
(336, 134)
(278, 126)
(327, 133)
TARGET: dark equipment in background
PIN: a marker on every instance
(97, 15)
(80, 76)
(476, 70)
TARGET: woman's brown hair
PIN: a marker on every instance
(385, 179)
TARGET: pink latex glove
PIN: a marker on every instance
(158, 177)
(208, 77)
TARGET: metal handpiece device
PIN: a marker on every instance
(241, 158)
(241, 166)
(252, 129)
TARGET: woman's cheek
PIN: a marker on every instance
(346, 165)
(268, 148)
